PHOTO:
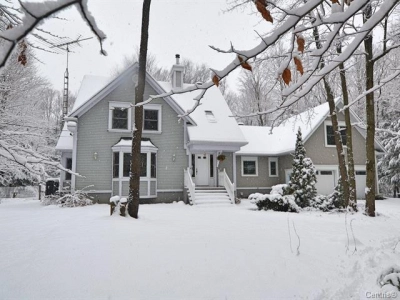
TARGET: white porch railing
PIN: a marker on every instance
(226, 182)
(189, 184)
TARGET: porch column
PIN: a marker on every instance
(234, 172)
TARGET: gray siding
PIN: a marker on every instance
(322, 155)
(93, 136)
(262, 180)
(227, 164)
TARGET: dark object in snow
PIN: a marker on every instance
(52, 185)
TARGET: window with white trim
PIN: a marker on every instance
(249, 166)
(273, 166)
(148, 164)
(330, 135)
(152, 118)
(119, 117)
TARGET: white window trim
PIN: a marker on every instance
(249, 158)
(273, 159)
(157, 107)
(329, 123)
(111, 106)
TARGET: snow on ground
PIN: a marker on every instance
(177, 251)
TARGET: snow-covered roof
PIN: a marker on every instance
(90, 86)
(65, 141)
(145, 144)
(212, 117)
(263, 141)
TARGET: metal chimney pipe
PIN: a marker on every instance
(177, 56)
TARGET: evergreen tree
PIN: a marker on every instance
(390, 164)
(303, 179)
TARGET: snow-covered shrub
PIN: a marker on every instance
(279, 189)
(50, 200)
(303, 178)
(330, 202)
(78, 198)
(389, 279)
(274, 202)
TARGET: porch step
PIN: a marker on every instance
(205, 195)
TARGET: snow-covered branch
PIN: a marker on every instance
(34, 13)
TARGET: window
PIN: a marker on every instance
(273, 166)
(69, 167)
(143, 164)
(127, 165)
(148, 164)
(361, 172)
(330, 137)
(116, 165)
(152, 118)
(119, 116)
(249, 166)
(153, 169)
(210, 116)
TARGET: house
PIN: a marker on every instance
(180, 153)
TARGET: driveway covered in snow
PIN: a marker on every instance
(176, 251)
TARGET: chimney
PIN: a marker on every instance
(177, 73)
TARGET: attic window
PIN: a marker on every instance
(210, 116)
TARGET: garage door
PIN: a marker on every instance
(360, 183)
(325, 181)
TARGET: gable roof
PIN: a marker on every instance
(95, 88)
(281, 139)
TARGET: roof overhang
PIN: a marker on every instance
(125, 145)
(214, 146)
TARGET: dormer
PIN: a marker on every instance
(177, 74)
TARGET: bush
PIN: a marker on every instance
(77, 198)
(279, 189)
(389, 279)
(274, 202)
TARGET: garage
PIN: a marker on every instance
(326, 181)
(361, 176)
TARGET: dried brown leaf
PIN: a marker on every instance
(300, 44)
(299, 65)
(287, 76)
(335, 1)
(244, 64)
(215, 79)
(261, 7)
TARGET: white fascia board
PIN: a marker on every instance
(214, 146)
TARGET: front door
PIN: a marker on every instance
(201, 171)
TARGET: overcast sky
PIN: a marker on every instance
(186, 27)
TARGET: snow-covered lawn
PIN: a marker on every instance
(176, 251)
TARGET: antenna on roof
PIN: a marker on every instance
(66, 47)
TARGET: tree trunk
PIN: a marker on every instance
(134, 180)
(349, 143)
(335, 124)
(370, 111)
(338, 142)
